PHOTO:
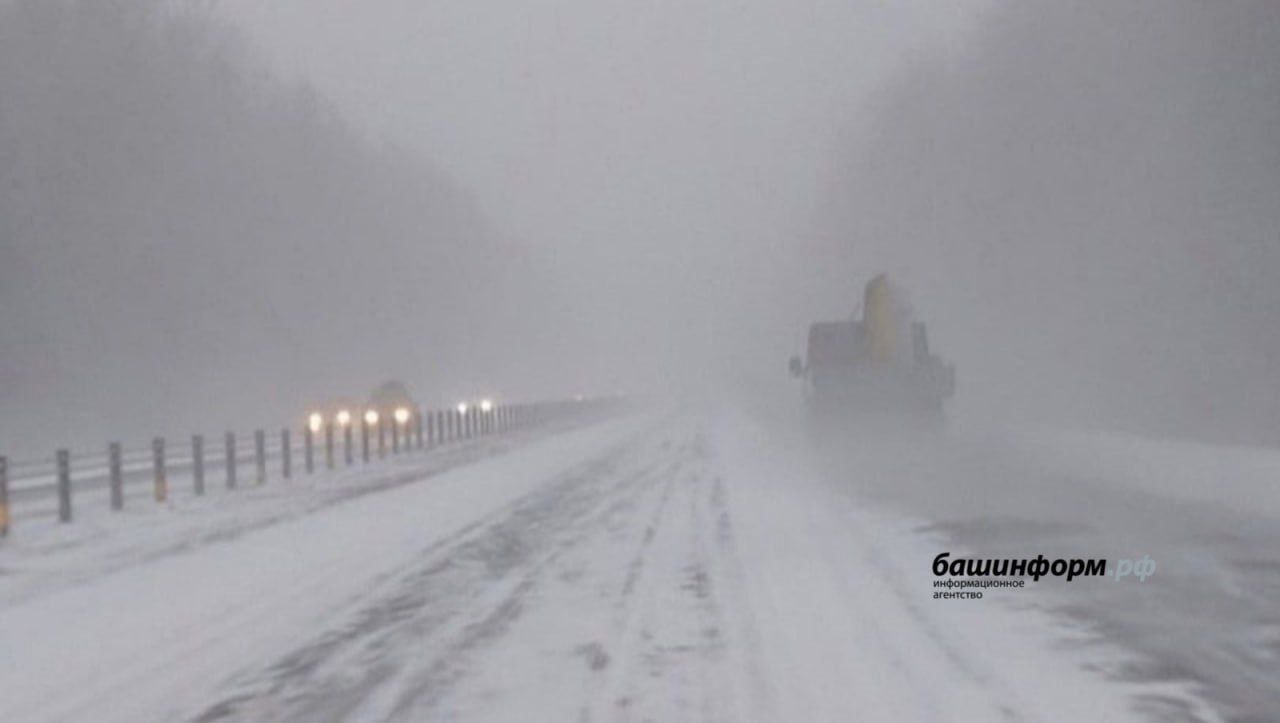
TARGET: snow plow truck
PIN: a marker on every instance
(875, 365)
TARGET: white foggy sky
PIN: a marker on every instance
(583, 117)
(662, 159)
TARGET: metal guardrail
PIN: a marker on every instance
(202, 461)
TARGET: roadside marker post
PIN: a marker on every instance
(229, 444)
(328, 446)
(197, 463)
(286, 454)
(161, 480)
(346, 444)
(4, 496)
(260, 454)
(116, 473)
(308, 448)
(64, 485)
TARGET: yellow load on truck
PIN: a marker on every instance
(876, 362)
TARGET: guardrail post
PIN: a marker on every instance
(197, 462)
(229, 444)
(347, 433)
(161, 481)
(4, 496)
(364, 440)
(286, 454)
(64, 485)
(328, 445)
(308, 448)
(260, 454)
(115, 473)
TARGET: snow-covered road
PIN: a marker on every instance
(655, 567)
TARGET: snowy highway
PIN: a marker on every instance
(653, 567)
(604, 361)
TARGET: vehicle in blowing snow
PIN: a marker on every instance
(390, 401)
(877, 364)
(391, 405)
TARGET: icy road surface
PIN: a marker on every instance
(658, 567)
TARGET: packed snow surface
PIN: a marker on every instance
(659, 566)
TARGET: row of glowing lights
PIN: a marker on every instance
(343, 417)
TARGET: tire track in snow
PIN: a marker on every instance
(672, 635)
(410, 642)
(758, 696)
